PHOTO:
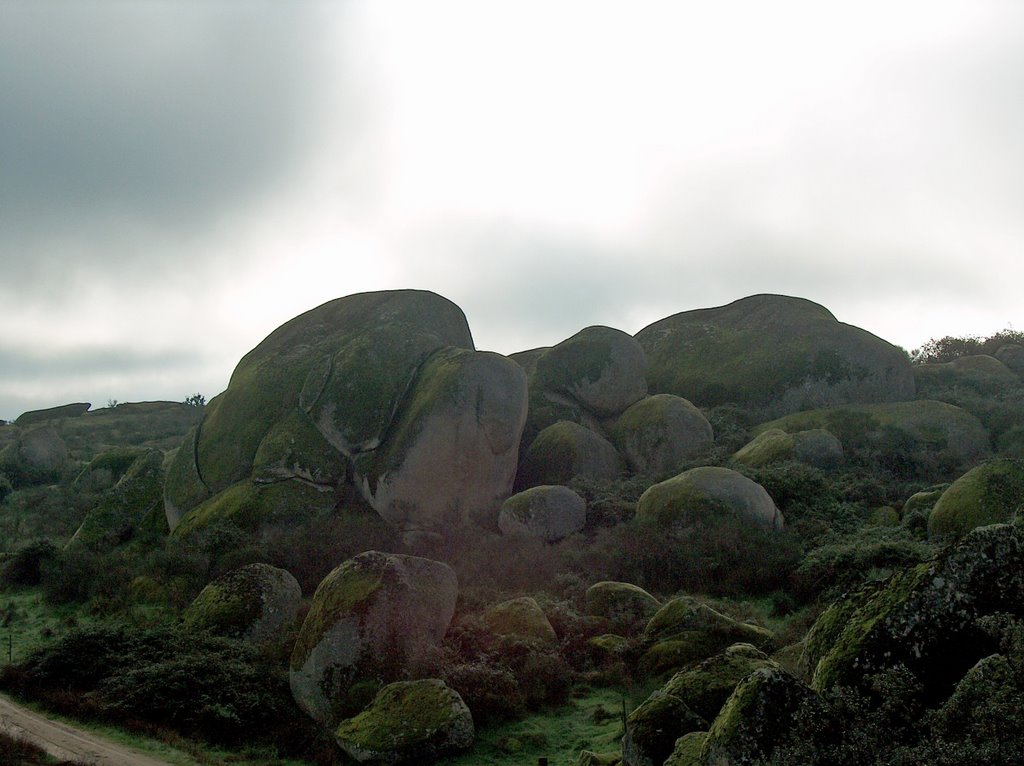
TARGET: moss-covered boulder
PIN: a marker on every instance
(685, 631)
(991, 493)
(594, 375)
(346, 365)
(408, 722)
(546, 512)
(926, 618)
(991, 691)
(123, 511)
(659, 433)
(923, 426)
(704, 495)
(1012, 355)
(705, 686)
(451, 454)
(106, 469)
(773, 354)
(982, 373)
(816, 447)
(687, 749)
(367, 618)
(924, 500)
(653, 728)
(249, 505)
(36, 456)
(755, 718)
(565, 450)
(590, 758)
(254, 603)
(625, 605)
(519, 617)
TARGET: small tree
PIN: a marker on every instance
(196, 400)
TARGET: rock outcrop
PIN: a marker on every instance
(367, 618)
(565, 450)
(981, 372)
(816, 447)
(254, 603)
(520, 617)
(625, 605)
(772, 354)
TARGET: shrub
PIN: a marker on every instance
(6, 488)
(26, 565)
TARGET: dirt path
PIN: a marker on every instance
(67, 743)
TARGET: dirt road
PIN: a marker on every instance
(64, 742)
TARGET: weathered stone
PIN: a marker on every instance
(254, 603)
(546, 512)
(36, 456)
(756, 717)
(706, 686)
(659, 433)
(925, 618)
(991, 493)
(685, 631)
(367, 618)
(451, 456)
(52, 413)
(687, 749)
(408, 722)
(121, 513)
(625, 605)
(982, 373)
(702, 495)
(653, 728)
(773, 354)
(519, 617)
(1012, 355)
(565, 450)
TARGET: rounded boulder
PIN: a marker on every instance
(547, 512)
(254, 603)
(565, 450)
(660, 432)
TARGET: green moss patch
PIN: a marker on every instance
(991, 493)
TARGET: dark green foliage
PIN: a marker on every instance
(6, 488)
(26, 565)
(195, 400)
(198, 685)
(951, 347)
(845, 561)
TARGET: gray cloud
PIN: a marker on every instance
(124, 123)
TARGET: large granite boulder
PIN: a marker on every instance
(659, 433)
(706, 686)
(547, 512)
(685, 631)
(991, 493)
(254, 603)
(131, 508)
(816, 447)
(520, 617)
(452, 453)
(653, 728)
(408, 722)
(367, 619)
(33, 417)
(772, 354)
(106, 469)
(981, 372)
(381, 391)
(930, 427)
(755, 719)
(687, 749)
(703, 495)
(595, 374)
(565, 450)
(625, 605)
(928, 618)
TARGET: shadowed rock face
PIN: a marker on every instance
(772, 354)
(379, 391)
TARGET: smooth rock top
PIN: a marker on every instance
(704, 494)
(601, 368)
(774, 354)
(52, 413)
(659, 433)
(985, 374)
(520, 617)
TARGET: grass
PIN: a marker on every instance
(591, 721)
(28, 622)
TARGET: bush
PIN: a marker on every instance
(6, 488)
(26, 565)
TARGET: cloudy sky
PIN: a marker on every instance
(178, 178)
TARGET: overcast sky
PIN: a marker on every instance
(179, 178)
